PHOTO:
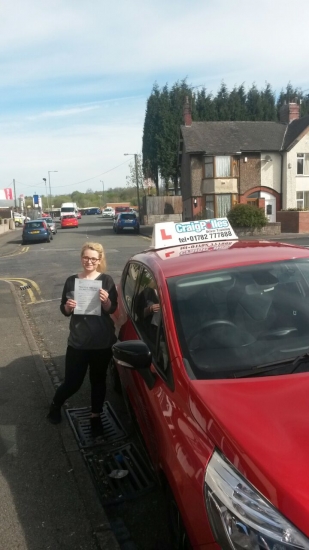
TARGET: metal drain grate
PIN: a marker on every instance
(136, 482)
(80, 423)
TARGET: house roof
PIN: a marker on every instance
(295, 129)
(226, 137)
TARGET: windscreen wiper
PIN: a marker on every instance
(268, 367)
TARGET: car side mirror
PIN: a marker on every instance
(135, 354)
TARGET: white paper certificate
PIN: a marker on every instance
(87, 297)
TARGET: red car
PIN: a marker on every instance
(212, 357)
(69, 220)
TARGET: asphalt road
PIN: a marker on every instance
(44, 267)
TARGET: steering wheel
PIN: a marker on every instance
(210, 324)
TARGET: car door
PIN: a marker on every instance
(152, 407)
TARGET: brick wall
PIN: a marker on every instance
(249, 172)
(293, 221)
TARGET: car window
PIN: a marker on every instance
(130, 283)
(240, 318)
(149, 322)
(128, 216)
(35, 225)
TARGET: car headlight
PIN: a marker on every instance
(240, 517)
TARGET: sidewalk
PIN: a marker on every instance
(47, 497)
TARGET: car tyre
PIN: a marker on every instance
(23, 242)
(178, 534)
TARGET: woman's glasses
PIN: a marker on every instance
(92, 260)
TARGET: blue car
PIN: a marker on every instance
(36, 230)
(126, 220)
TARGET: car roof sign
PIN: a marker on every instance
(169, 234)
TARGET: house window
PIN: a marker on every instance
(210, 208)
(209, 167)
(217, 206)
(223, 167)
(224, 205)
(303, 164)
(302, 199)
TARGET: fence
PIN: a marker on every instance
(160, 209)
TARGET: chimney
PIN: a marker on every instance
(187, 117)
(289, 112)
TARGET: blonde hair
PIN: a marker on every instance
(97, 247)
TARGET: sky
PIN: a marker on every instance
(75, 76)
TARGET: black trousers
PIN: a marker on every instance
(76, 365)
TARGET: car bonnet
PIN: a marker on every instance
(261, 425)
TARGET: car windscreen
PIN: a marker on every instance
(128, 217)
(237, 319)
(34, 225)
(67, 209)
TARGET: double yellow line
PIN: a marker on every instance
(34, 291)
(16, 253)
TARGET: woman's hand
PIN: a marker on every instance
(104, 297)
(70, 305)
(155, 308)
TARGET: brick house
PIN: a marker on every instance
(262, 163)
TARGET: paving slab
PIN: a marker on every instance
(47, 497)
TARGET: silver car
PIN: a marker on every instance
(51, 224)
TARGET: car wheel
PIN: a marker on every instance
(179, 537)
(137, 230)
(117, 231)
(23, 242)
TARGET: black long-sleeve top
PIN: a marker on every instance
(91, 331)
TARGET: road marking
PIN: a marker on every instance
(44, 301)
(16, 253)
(26, 282)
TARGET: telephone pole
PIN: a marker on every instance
(15, 194)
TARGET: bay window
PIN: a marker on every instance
(218, 167)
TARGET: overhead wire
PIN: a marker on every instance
(76, 183)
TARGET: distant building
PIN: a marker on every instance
(261, 163)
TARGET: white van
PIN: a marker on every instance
(68, 208)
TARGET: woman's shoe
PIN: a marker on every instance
(54, 415)
(97, 429)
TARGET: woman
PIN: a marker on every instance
(90, 340)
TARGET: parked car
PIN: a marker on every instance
(108, 212)
(36, 230)
(69, 220)
(93, 211)
(126, 221)
(51, 224)
(212, 360)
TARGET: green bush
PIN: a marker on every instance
(245, 215)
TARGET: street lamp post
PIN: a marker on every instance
(135, 155)
(103, 193)
(47, 199)
(50, 172)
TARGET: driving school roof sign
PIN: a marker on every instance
(176, 234)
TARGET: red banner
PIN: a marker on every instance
(8, 191)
